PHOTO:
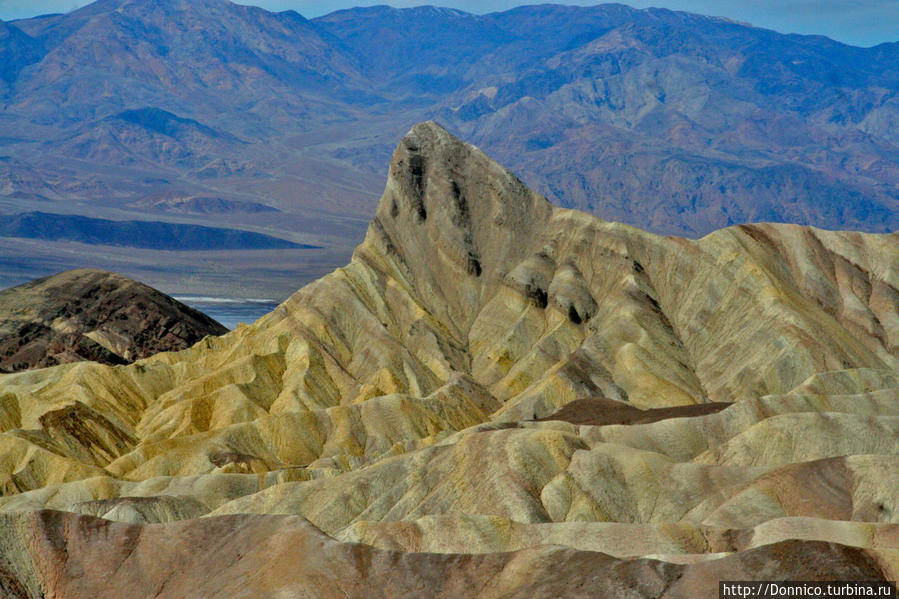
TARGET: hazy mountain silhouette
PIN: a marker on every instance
(139, 234)
(670, 121)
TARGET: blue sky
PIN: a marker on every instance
(859, 22)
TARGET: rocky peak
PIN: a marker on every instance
(452, 220)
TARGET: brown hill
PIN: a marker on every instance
(93, 315)
(391, 405)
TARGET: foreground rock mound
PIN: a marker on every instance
(93, 315)
(495, 397)
(285, 556)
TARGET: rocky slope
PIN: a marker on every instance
(439, 415)
(93, 315)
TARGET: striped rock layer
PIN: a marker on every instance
(496, 397)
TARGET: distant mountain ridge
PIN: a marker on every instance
(139, 234)
(670, 121)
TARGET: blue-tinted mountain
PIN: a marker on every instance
(669, 121)
(17, 51)
(664, 119)
(137, 234)
(204, 57)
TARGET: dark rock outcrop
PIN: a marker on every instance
(600, 411)
(93, 315)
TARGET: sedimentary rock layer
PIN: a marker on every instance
(63, 555)
(491, 374)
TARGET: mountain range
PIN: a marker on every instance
(495, 397)
(669, 121)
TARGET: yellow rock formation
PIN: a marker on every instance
(393, 402)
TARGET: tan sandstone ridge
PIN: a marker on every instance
(445, 416)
